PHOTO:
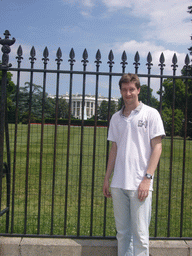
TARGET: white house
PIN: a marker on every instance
(89, 108)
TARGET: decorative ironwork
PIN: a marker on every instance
(98, 58)
(111, 58)
(72, 57)
(59, 55)
(136, 63)
(174, 61)
(124, 61)
(149, 64)
(187, 61)
(187, 69)
(6, 43)
(19, 54)
(162, 61)
(85, 58)
(32, 54)
(149, 61)
(80, 211)
(6, 49)
(45, 55)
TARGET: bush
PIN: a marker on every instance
(77, 122)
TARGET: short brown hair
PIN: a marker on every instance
(130, 78)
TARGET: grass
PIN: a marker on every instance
(86, 184)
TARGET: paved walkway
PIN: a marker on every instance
(19, 246)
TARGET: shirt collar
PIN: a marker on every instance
(137, 109)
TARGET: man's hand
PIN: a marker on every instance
(110, 167)
(144, 186)
(143, 190)
(106, 188)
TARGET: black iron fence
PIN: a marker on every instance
(54, 173)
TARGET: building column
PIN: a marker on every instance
(75, 109)
(89, 109)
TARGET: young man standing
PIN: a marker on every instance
(136, 132)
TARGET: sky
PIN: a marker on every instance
(145, 26)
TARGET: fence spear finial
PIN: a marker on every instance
(136, 63)
(124, 61)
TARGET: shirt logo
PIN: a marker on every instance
(142, 123)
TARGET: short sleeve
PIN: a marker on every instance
(156, 125)
(111, 132)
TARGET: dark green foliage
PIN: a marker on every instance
(178, 121)
(63, 108)
(37, 102)
(11, 89)
(78, 122)
(143, 96)
(103, 109)
(180, 104)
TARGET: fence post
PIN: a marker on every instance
(4, 66)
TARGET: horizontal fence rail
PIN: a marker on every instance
(57, 166)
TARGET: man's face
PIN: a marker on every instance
(130, 93)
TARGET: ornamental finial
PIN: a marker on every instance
(6, 42)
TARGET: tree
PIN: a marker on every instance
(103, 109)
(10, 90)
(167, 99)
(24, 98)
(178, 121)
(167, 95)
(120, 103)
(144, 95)
(63, 108)
(36, 102)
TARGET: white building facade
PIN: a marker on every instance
(89, 107)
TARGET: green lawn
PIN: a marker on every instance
(86, 184)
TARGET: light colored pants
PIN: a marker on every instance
(132, 219)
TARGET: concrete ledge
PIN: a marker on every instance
(10, 246)
(167, 248)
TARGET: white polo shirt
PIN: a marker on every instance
(132, 135)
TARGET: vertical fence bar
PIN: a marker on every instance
(8, 164)
(19, 58)
(187, 68)
(71, 60)
(98, 57)
(45, 59)
(2, 126)
(149, 64)
(110, 62)
(32, 58)
(162, 65)
(84, 61)
(123, 63)
(174, 61)
(6, 43)
(59, 55)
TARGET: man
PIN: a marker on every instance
(136, 132)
